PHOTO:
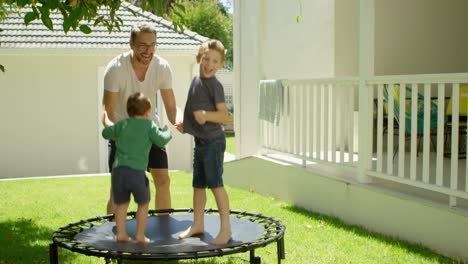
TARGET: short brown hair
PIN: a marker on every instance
(142, 27)
(138, 104)
(211, 44)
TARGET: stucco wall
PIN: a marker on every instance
(420, 37)
(346, 38)
(434, 226)
(292, 50)
(51, 104)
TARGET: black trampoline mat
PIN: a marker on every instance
(163, 231)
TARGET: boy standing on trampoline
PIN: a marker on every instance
(205, 112)
(134, 137)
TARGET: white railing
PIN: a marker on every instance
(411, 140)
(417, 145)
(310, 119)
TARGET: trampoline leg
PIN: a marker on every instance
(53, 253)
(280, 249)
(253, 258)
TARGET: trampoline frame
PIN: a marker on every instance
(274, 230)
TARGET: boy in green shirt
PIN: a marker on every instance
(134, 137)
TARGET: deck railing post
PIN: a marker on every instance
(366, 70)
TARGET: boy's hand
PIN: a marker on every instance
(180, 127)
(200, 116)
(229, 120)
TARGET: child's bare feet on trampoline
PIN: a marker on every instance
(191, 231)
(222, 238)
(124, 238)
(142, 240)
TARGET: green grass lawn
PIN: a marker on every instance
(32, 209)
(230, 143)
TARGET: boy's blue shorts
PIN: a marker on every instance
(208, 161)
(126, 181)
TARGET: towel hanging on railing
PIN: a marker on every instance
(271, 100)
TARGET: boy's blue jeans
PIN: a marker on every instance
(208, 161)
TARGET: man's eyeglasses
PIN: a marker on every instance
(145, 47)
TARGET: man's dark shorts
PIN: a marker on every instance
(157, 157)
(126, 181)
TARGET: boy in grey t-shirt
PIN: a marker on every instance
(205, 112)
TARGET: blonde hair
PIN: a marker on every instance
(211, 44)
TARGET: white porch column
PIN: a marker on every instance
(247, 61)
(366, 70)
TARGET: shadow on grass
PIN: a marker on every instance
(23, 241)
(362, 232)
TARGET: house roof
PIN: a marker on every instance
(16, 35)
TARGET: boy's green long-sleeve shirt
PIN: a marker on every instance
(134, 137)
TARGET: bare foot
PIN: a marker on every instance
(223, 237)
(143, 240)
(124, 238)
(191, 231)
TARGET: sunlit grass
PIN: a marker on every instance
(230, 143)
(32, 209)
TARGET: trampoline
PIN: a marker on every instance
(96, 237)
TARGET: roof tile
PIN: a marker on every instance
(16, 35)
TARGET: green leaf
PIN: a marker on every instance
(63, 11)
(21, 3)
(85, 29)
(179, 6)
(98, 21)
(160, 7)
(133, 12)
(119, 21)
(45, 17)
(118, 27)
(66, 25)
(298, 19)
(47, 22)
(178, 26)
(30, 16)
(2, 68)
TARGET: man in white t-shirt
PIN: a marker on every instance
(140, 70)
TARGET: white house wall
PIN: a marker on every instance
(420, 36)
(292, 50)
(270, 44)
(51, 113)
(50, 104)
(346, 38)
(180, 147)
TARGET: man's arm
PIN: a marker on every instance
(174, 114)
(220, 116)
(109, 102)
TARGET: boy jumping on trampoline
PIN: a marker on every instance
(205, 112)
(133, 137)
